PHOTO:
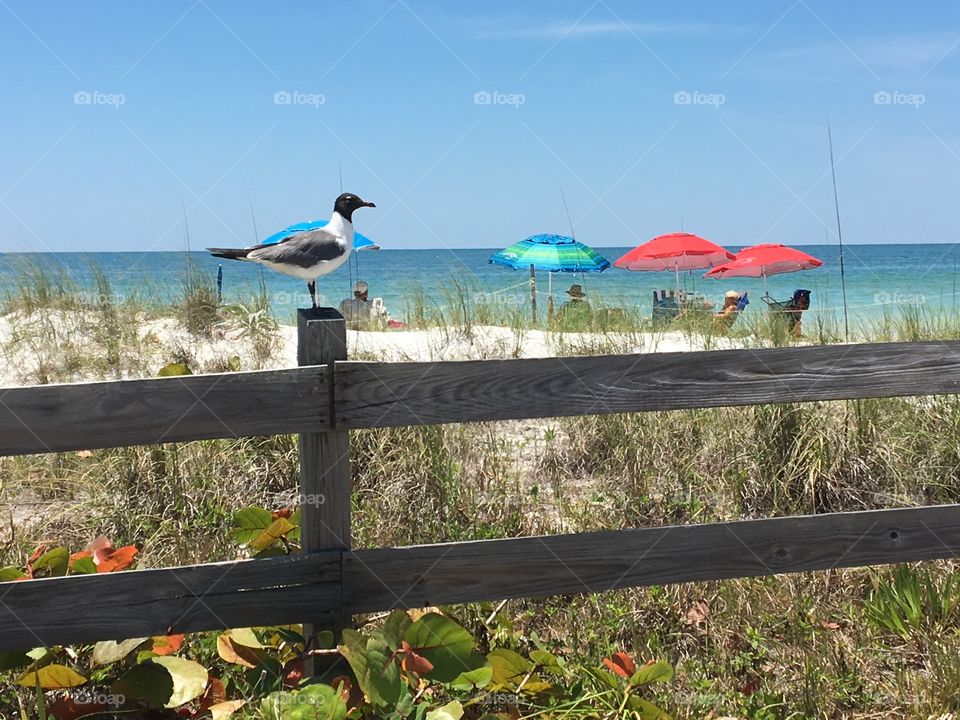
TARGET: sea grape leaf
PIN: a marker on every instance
(167, 644)
(174, 369)
(453, 710)
(237, 653)
(147, 682)
(56, 561)
(82, 564)
(115, 560)
(11, 573)
(189, 679)
(509, 667)
(445, 644)
(377, 673)
(108, 651)
(652, 672)
(245, 637)
(395, 627)
(12, 659)
(473, 679)
(250, 522)
(226, 709)
(52, 677)
(269, 535)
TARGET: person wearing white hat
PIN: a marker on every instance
(358, 310)
(728, 313)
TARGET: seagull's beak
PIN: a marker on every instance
(368, 204)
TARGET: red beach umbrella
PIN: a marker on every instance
(764, 261)
(675, 251)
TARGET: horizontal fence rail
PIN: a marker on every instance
(54, 418)
(369, 394)
(286, 590)
(420, 393)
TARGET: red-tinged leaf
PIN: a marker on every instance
(215, 693)
(119, 559)
(293, 673)
(750, 686)
(167, 644)
(344, 686)
(65, 708)
(621, 664)
(413, 662)
(36, 554)
(79, 556)
(282, 513)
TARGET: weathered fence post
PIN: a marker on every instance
(324, 462)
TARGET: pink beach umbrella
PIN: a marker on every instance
(763, 261)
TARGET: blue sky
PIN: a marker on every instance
(465, 123)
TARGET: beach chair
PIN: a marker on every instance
(790, 311)
(666, 307)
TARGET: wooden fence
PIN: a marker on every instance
(328, 396)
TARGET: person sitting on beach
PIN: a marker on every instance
(728, 313)
(359, 311)
(576, 310)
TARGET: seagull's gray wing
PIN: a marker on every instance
(304, 250)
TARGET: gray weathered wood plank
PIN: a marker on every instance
(423, 393)
(383, 579)
(52, 418)
(87, 608)
(325, 485)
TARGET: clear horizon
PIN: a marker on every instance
(469, 130)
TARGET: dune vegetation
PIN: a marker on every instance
(858, 643)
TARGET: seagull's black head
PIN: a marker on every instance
(347, 203)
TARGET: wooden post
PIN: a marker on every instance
(324, 466)
(533, 293)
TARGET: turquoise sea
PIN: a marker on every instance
(879, 278)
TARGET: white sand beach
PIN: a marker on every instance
(58, 346)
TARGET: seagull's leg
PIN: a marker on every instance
(312, 286)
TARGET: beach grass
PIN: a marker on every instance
(857, 643)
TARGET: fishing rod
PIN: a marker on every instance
(836, 203)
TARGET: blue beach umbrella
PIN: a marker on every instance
(360, 242)
(553, 253)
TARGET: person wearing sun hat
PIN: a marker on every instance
(358, 310)
(728, 313)
(576, 310)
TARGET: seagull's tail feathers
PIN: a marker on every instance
(230, 253)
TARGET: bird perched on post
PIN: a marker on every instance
(310, 254)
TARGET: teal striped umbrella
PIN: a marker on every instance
(553, 253)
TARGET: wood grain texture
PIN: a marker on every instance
(325, 485)
(423, 393)
(377, 580)
(115, 606)
(53, 418)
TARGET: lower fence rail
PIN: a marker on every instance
(305, 587)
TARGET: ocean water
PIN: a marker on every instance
(879, 279)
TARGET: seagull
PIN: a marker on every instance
(307, 255)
